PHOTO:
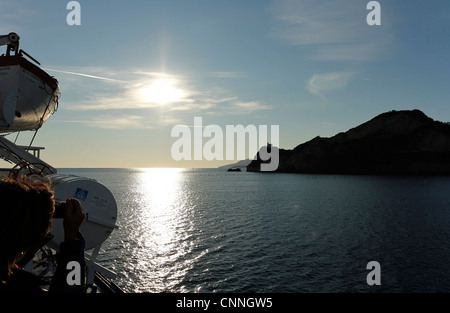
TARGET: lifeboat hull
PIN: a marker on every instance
(28, 95)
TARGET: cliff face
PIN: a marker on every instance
(393, 143)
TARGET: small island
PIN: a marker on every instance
(393, 143)
(236, 167)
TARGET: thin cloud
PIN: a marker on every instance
(169, 121)
(319, 84)
(221, 100)
(12, 13)
(336, 30)
(344, 52)
(133, 92)
(120, 101)
(228, 74)
(250, 106)
(239, 108)
(192, 106)
(116, 122)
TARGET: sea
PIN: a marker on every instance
(212, 231)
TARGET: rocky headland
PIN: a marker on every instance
(392, 143)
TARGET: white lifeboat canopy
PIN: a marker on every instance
(98, 203)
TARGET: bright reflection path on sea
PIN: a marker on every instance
(161, 230)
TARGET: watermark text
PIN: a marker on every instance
(222, 144)
(74, 16)
(374, 16)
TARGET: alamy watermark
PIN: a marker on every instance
(374, 277)
(74, 276)
(374, 16)
(221, 145)
(74, 16)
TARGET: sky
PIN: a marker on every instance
(132, 70)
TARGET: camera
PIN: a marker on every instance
(60, 209)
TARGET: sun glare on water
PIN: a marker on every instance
(162, 228)
(161, 91)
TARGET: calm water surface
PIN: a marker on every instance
(206, 230)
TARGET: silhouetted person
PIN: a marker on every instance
(26, 213)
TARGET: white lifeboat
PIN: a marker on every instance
(28, 95)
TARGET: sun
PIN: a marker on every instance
(161, 91)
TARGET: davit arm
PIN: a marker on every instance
(12, 40)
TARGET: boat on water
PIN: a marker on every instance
(28, 98)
